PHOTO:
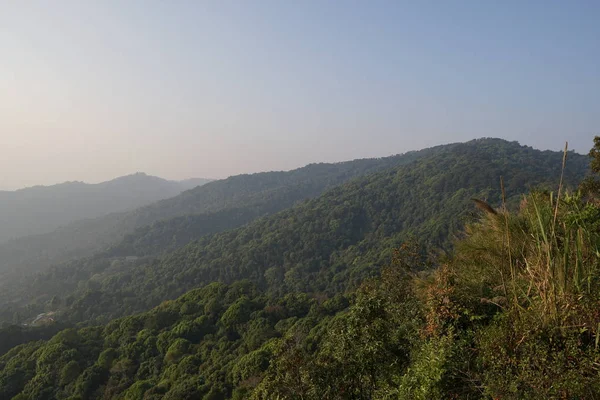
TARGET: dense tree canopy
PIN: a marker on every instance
(166, 225)
(326, 245)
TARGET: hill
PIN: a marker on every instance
(249, 195)
(42, 209)
(510, 312)
(326, 245)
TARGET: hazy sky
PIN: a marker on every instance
(93, 90)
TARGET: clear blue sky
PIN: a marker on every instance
(93, 90)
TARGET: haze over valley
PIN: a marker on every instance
(42, 209)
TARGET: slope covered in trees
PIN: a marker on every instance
(326, 245)
(238, 199)
(510, 312)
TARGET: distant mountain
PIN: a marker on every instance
(43, 209)
(194, 182)
(216, 206)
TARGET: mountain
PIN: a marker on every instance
(325, 245)
(42, 209)
(313, 302)
(194, 182)
(237, 200)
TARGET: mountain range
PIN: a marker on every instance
(234, 201)
(375, 278)
(43, 209)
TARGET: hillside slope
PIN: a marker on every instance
(325, 245)
(254, 195)
(445, 334)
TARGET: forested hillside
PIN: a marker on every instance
(246, 195)
(42, 209)
(327, 245)
(337, 299)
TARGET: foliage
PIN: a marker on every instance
(325, 245)
(311, 303)
(170, 351)
(540, 268)
(159, 228)
(14, 335)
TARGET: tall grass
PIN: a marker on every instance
(519, 301)
(560, 259)
(543, 256)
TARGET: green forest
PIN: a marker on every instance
(214, 207)
(468, 271)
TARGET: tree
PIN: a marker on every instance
(591, 185)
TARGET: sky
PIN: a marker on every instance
(92, 90)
